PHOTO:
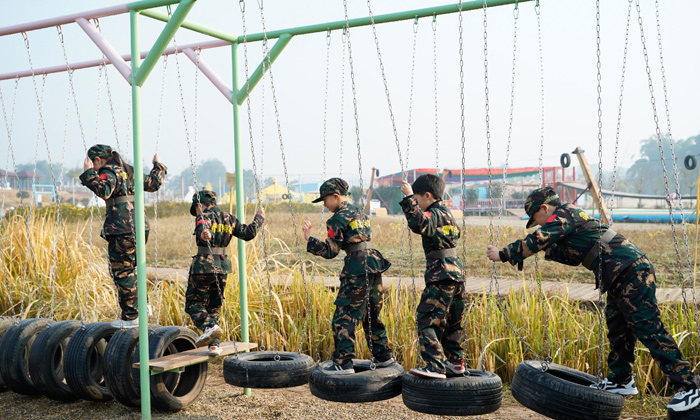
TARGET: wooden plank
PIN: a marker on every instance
(194, 356)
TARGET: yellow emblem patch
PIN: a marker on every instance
(583, 215)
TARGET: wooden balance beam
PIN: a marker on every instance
(186, 358)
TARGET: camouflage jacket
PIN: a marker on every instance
(438, 230)
(111, 182)
(224, 227)
(567, 236)
(348, 226)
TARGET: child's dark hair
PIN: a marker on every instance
(555, 203)
(116, 158)
(429, 183)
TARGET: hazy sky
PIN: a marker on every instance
(569, 47)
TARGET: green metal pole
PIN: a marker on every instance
(140, 225)
(197, 27)
(240, 205)
(149, 4)
(264, 66)
(162, 42)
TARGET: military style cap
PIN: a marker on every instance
(534, 201)
(332, 186)
(205, 197)
(99, 150)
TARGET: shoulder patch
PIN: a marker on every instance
(551, 219)
(331, 233)
(427, 214)
(103, 177)
(583, 215)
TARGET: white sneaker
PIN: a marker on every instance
(210, 334)
(424, 372)
(215, 348)
(455, 368)
(134, 323)
(630, 388)
(684, 400)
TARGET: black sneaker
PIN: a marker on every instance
(330, 368)
(684, 400)
(385, 363)
(630, 388)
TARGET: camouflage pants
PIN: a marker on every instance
(439, 319)
(122, 265)
(351, 305)
(631, 313)
(203, 299)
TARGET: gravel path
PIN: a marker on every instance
(222, 401)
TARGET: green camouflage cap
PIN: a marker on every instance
(99, 150)
(332, 186)
(205, 197)
(534, 201)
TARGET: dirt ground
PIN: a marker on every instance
(222, 401)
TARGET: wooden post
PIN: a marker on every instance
(593, 186)
(371, 188)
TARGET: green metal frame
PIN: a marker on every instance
(141, 71)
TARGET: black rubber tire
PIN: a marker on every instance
(260, 369)
(563, 393)
(364, 385)
(693, 414)
(46, 360)
(173, 391)
(690, 162)
(565, 160)
(122, 380)
(15, 346)
(84, 359)
(479, 393)
(5, 323)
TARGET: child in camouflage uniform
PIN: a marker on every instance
(570, 236)
(349, 230)
(112, 179)
(214, 230)
(439, 313)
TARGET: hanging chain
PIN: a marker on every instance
(157, 288)
(342, 102)
(9, 126)
(435, 90)
(691, 273)
(601, 303)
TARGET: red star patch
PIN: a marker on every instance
(331, 233)
(427, 214)
(551, 219)
(103, 177)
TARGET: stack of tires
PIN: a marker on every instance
(69, 360)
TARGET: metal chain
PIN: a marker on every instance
(9, 126)
(691, 273)
(538, 276)
(435, 90)
(342, 102)
(157, 287)
(601, 303)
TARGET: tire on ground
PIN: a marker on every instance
(268, 369)
(364, 386)
(563, 393)
(5, 323)
(14, 351)
(478, 393)
(46, 360)
(84, 361)
(173, 391)
(121, 378)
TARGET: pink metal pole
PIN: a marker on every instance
(63, 20)
(96, 63)
(209, 73)
(105, 47)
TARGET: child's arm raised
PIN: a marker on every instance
(101, 184)
(331, 246)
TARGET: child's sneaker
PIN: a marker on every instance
(386, 363)
(333, 369)
(210, 334)
(425, 372)
(630, 388)
(455, 368)
(684, 400)
(120, 323)
(215, 347)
